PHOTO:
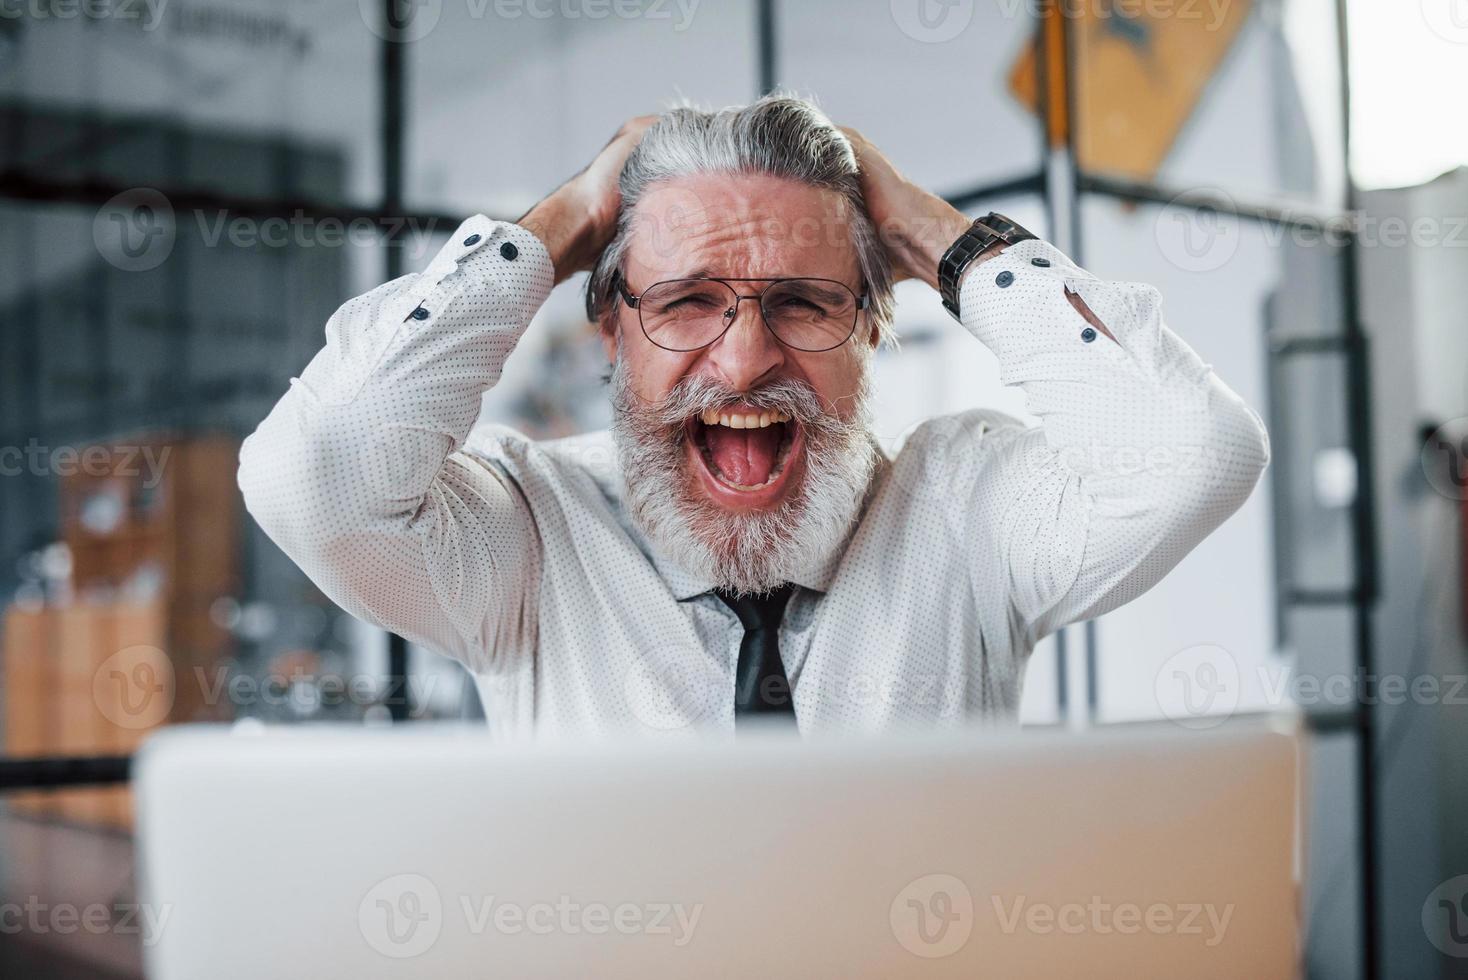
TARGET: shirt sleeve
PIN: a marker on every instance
(358, 473)
(1141, 452)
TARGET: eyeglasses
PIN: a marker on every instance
(686, 314)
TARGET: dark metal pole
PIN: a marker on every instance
(765, 29)
(1073, 245)
(44, 773)
(1358, 410)
(1363, 523)
(393, 99)
(1072, 126)
(32, 189)
(1046, 114)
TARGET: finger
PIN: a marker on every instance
(636, 126)
(631, 128)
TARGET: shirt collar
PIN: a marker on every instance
(683, 584)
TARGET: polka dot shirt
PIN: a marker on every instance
(516, 557)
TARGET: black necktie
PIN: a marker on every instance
(760, 684)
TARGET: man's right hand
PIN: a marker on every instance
(577, 220)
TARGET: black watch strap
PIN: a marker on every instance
(992, 227)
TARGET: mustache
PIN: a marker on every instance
(692, 396)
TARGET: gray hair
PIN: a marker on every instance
(779, 135)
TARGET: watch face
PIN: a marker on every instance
(1006, 227)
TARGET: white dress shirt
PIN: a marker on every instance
(517, 558)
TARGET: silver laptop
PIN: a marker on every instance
(1131, 852)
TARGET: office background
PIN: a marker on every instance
(189, 189)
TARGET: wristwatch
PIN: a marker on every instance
(992, 227)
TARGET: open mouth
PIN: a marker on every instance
(744, 454)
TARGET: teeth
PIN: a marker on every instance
(742, 420)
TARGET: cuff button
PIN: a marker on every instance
(509, 251)
(1005, 279)
(471, 240)
(1088, 334)
(1042, 263)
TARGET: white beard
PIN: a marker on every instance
(742, 552)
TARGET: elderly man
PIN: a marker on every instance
(738, 544)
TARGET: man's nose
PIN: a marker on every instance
(747, 352)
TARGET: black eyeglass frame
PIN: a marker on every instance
(863, 301)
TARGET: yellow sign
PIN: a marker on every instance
(1141, 68)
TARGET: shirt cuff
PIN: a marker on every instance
(483, 254)
(1014, 302)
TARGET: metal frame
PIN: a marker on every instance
(58, 771)
(1063, 185)
(393, 79)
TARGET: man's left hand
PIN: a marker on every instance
(915, 225)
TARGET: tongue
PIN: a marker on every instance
(744, 456)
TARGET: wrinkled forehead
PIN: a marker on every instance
(740, 226)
